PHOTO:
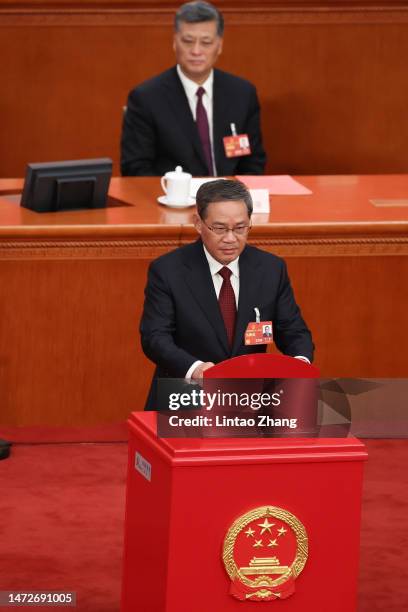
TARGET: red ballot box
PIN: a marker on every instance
(222, 524)
(227, 525)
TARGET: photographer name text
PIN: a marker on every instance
(260, 420)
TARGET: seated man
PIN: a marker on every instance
(200, 298)
(181, 116)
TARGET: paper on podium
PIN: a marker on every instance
(282, 184)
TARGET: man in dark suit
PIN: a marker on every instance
(200, 298)
(181, 116)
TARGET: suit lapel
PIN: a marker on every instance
(199, 281)
(250, 279)
(178, 103)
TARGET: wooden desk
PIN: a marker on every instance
(71, 290)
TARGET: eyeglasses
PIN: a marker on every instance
(221, 230)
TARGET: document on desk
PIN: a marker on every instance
(197, 182)
(282, 184)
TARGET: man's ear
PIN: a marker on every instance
(197, 222)
(220, 47)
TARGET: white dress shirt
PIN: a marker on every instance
(215, 267)
(190, 88)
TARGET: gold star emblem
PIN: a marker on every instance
(249, 532)
(272, 543)
(281, 531)
(258, 544)
(266, 526)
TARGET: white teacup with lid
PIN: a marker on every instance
(176, 186)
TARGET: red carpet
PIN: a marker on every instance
(61, 524)
(384, 533)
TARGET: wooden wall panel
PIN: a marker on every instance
(72, 327)
(345, 298)
(331, 78)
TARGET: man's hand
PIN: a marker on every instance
(198, 372)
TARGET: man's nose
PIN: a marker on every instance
(229, 236)
(197, 47)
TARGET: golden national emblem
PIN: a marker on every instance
(264, 552)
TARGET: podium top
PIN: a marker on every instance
(204, 451)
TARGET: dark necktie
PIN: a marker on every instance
(227, 303)
(204, 129)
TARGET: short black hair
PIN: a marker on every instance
(222, 190)
(197, 12)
